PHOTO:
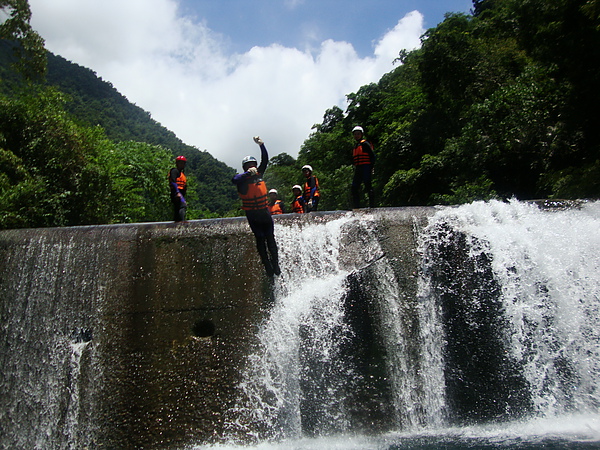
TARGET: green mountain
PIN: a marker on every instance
(93, 101)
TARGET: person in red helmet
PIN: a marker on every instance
(252, 190)
(178, 185)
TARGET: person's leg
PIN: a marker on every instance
(262, 226)
(355, 189)
(261, 246)
(179, 209)
(367, 179)
(182, 211)
(273, 250)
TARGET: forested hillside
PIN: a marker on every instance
(95, 101)
(89, 102)
(500, 103)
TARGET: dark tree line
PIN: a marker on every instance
(500, 103)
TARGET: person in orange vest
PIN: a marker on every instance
(275, 205)
(178, 185)
(252, 189)
(311, 189)
(298, 205)
(363, 159)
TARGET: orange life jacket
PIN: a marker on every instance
(255, 197)
(297, 205)
(307, 189)
(360, 157)
(181, 180)
(275, 208)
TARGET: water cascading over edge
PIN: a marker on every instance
(517, 294)
(339, 350)
(501, 328)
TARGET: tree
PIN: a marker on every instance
(29, 44)
(139, 175)
(564, 36)
(57, 179)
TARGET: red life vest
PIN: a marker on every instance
(307, 189)
(297, 205)
(275, 208)
(360, 157)
(255, 197)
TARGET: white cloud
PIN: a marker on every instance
(178, 70)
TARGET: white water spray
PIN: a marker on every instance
(308, 301)
(301, 369)
(547, 264)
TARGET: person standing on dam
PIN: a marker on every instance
(311, 189)
(178, 185)
(363, 159)
(252, 189)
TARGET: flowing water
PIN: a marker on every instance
(506, 324)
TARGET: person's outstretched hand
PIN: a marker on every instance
(258, 140)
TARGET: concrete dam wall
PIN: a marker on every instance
(146, 335)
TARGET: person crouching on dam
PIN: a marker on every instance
(298, 204)
(252, 189)
(275, 205)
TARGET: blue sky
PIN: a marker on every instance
(217, 73)
(298, 23)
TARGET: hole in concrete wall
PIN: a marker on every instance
(203, 328)
(81, 335)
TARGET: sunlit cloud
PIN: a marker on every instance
(176, 68)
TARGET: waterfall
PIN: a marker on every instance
(46, 334)
(307, 307)
(505, 322)
(388, 328)
(74, 406)
(336, 352)
(518, 293)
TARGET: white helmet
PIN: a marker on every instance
(296, 186)
(307, 167)
(273, 191)
(357, 128)
(248, 159)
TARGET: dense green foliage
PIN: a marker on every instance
(15, 26)
(54, 172)
(497, 104)
(129, 152)
(501, 103)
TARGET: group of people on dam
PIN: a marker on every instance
(260, 205)
(305, 199)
